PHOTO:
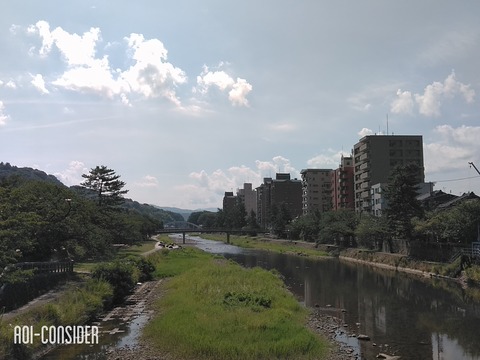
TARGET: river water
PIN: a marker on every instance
(412, 317)
(404, 315)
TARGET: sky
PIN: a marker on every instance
(188, 99)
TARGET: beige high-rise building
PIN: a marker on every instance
(248, 196)
(374, 158)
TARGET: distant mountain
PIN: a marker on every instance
(132, 205)
(7, 170)
(184, 212)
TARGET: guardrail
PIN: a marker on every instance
(473, 253)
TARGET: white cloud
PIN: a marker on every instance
(76, 49)
(152, 75)
(403, 104)
(3, 116)
(454, 148)
(237, 89)
(434, 95)
(147, 181)
(283, 127)
(210, 188)
(238, 95)
(39, 83)
(73, 174)
(11, 84)
(326, 161)
(365, 132)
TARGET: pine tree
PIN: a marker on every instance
(106, 184)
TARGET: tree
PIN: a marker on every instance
(279, 219)
(338, 227)
(372, 231)
(401, 195)
(106, 184)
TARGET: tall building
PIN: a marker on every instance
(277, 192)
(229, 201)
(248, 196)
(316, 190)
(374, 158)
(343, 192)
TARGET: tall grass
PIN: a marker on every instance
(215, 309)
(76, 306)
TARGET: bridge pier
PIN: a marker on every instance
(183, 239)
(228, 237)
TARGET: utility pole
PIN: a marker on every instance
(472, 164)
(478, 226)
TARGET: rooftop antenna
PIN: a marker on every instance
(387, 123)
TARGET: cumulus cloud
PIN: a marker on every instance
(150, 74)
(210, 187)
(237, 89)
(72, 175)
(147, 181)
(431, 101)
(365, 132)
(39, 83)
(3, 116)
(331, 160)
(453, 148)
(403, 104)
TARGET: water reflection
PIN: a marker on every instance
(412, 317)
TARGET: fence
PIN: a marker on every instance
(46, 267)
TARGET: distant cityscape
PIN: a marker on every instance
(356, 184)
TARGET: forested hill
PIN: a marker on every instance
(7, 170)
(132, 205)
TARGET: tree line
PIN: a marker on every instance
(41, 221)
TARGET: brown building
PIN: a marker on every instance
(374, 158)
(277, 192)
(342, 185)
(229, 202)
(316, 190)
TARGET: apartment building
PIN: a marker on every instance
(229, 201)
(374, 156)
(275, 192)
(342, 185)
(316, 190)
(248, 196)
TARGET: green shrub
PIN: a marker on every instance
(121, 275)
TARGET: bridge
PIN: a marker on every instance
(176, 230)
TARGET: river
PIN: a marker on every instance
(404, 315)
(412, 317)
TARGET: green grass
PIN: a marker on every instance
(215, 309)
(287, 247)
(76, 306)
(134, 250)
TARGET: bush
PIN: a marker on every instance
(121, 275)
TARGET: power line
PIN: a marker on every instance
(471, 177)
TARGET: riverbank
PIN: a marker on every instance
(456, 271)
(319, 323)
